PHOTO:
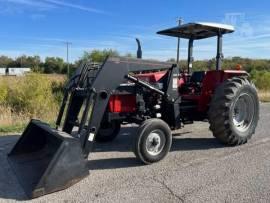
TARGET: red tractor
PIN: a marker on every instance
(157, 96)
(226, 98)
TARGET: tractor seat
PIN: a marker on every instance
(197, 77)
(194, 85)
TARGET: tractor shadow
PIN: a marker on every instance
(113, 163)
(125, 141)
(191, 144)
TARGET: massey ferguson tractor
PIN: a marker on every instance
(157, 96)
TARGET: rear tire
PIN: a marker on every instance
(234, 111)
(108, 131)
(153, 141)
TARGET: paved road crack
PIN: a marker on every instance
(168, 189)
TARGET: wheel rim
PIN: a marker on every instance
(243, 112)
(155, 142)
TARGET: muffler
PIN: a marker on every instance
(46, 160)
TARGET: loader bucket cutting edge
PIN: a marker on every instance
(46, 160)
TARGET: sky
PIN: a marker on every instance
(41, 27)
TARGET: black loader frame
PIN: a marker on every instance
(46, 160)
(100, 83)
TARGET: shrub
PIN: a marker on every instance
(261, 79)
(3, 91)
(57, 90)
(33, 96)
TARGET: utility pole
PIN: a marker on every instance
(67, 45)
(180, 21)
(21, 59)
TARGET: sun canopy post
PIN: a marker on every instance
(219, 51)
(190, 55)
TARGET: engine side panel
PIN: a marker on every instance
(125, 103)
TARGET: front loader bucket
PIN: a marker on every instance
(46, 160)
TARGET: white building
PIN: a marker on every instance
(18, 71)
(2, 71)
(14, 71)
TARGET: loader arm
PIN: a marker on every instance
(113, 72)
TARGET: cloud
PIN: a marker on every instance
(31, 3)
(18, 6)
(74, 6)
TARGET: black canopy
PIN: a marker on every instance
(197, 31)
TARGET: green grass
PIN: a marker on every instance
(19, 128)
(4, 130)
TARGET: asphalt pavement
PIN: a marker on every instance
(198, 169)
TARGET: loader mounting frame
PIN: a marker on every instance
(95, 94)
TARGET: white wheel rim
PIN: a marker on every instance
(155, 142)
(243, 112)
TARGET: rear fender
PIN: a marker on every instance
(211, 81)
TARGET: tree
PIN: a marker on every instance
(97, 56)
(53, 65)
(14, 63)
(34, 62)
(21, 61)
(5, 61)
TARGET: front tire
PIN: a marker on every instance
(153, 141)
(234, 111)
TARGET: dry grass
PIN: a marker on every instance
(264, 95)
(23, 98)
(8, 118)
(55, 77)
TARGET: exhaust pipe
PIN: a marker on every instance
(139, 51)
